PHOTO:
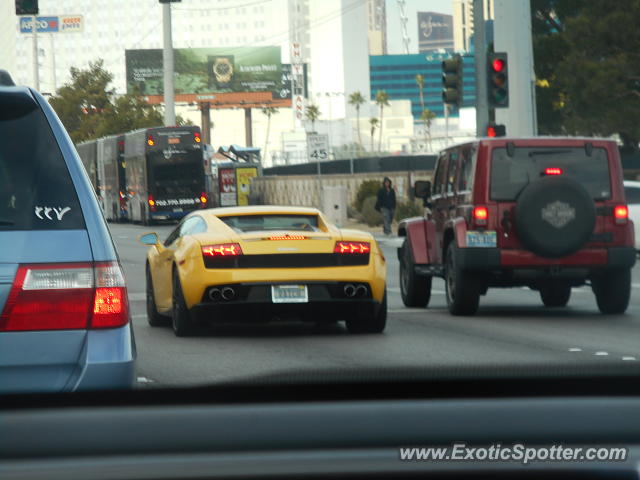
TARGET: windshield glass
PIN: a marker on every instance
(254, 223)
(338, 186)
(511, 173)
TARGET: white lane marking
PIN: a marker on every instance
(601, 354)
(144, 380)
(405, 310)
(629, 358)
(434, 292)
(136, 297)
(140, 315)
(575, 349)
(635, 285)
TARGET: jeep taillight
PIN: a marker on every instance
(66, 297)
(621, 214)
(480, 215)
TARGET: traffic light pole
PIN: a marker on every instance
(480, 48)
(167, 64)
(36, 66)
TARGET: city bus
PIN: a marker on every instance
(112, 176)
(165, 175)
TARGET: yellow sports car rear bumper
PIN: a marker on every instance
(196, 282)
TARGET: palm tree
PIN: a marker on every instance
(374, 122)
(427, 116)
(268, 111)
(382, 100)
(420, 82)
(356, 99)
(312, 113)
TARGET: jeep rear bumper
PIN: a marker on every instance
(487, 259)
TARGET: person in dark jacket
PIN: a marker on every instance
(386, 204)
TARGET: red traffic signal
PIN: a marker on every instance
(498, 80)
(494, 130)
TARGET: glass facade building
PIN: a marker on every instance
(396, 74)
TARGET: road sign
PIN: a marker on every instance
(318, 146)
(53, 24)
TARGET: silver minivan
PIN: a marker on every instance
(64, 314)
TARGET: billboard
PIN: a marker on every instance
(245, 175)
(54, 24)
(207, 70)
(435, 32)
(227, 187)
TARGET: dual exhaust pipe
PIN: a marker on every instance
(226, 294)
(351, 290)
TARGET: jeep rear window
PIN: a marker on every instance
(36, 192)
(511, 174)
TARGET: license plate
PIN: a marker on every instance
(173, 141)
(177, 209)
(482, 239)
(289, 294)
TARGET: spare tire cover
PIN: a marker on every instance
(554, 217)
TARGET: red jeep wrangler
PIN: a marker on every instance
(545, 213)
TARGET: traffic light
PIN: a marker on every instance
(26, 7)
(495, 130)
(452, 81)
(498, 80)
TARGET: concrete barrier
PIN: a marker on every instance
(304, 190)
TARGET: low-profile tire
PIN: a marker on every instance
(414, 289)
(612, 290)
(372, 324)
(555, 294)
(180, 317)
(153, 316)
(462, 287)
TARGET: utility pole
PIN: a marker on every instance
(36, 66)
(167, 64)
(403, 21)
(480, 53)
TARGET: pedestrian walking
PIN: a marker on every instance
(386, 204)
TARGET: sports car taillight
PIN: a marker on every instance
(352, 247)
(222, 250)
(66, 296)
(621, 214)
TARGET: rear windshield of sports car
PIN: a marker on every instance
(254, 223)
(510, 174)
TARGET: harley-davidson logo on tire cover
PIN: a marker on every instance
(558, 213)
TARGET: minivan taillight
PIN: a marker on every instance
(480, 215)
(66, 296)
(621, 214)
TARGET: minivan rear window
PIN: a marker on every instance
(511, 174)
(36, 191)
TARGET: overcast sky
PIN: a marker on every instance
(394, 32)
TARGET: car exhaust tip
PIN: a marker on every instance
(361, 291)
(228, 293)
(349, 290)
(215, 294)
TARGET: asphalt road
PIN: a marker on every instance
(512, 327)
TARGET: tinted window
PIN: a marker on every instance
(451, 176)
(36, 192)
(509, 175)
(465, 177)
(440, 172)
(632, 195)
(249, 223)
(193, 225)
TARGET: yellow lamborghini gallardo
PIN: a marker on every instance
(262, 262)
